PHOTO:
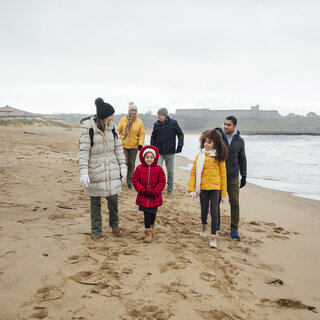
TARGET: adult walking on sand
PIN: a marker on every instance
(236, 163)
(132, 134)
(163, 136)
(102, 165)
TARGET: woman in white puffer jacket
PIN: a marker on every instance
(102, 165)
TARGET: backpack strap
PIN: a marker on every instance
(91, 134)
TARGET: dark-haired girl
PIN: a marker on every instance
(208, 179)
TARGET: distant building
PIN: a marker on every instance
(253, 113)
(13, 113)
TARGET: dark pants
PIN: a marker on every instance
(130, 155)
(149, 215)
(96, 221)
(233, 194)
(212, 197)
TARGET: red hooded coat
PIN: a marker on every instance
(150, 178)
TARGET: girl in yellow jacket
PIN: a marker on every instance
(132, 135)
(208, 179)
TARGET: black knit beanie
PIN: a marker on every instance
(104, 110)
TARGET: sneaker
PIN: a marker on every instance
(96, 237)
(203, 232)
(213, 241)
(235, 236)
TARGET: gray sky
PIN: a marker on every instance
(59, 55)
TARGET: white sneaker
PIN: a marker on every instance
(203, 232)
(213, 241)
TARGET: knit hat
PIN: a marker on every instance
(132, 106)
(104, 110)
(148, 150)
(163, 112)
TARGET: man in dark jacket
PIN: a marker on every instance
(236, 162)
(163, 136)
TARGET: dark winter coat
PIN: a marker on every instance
(150, 178)
(236, 161)
(164, 136)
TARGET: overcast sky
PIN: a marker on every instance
(60, 55)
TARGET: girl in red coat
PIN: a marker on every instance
(149, 180)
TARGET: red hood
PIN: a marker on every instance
(156, 158)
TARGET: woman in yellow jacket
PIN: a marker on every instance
(208, 179)
(132, 135)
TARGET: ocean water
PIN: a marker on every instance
(286, 163)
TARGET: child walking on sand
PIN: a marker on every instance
(208, 179)
(149, 180)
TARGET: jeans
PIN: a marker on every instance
(96, 221)
(211, 196)
(169, 158)
(130, 155)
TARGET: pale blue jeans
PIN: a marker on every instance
(169, 159)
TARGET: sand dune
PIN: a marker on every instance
(50, 268)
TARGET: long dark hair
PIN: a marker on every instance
(215, 136)
(101, 123)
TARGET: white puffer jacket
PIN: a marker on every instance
(102, 161)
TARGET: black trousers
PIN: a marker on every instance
(149, 215)
(210, 197)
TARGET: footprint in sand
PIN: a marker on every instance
(172, 265)
(214, 314)
(206, 276)
(245, 294)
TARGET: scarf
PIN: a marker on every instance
(128, 126)
(200, 164)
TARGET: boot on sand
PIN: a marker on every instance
(213, 241)
(116, 231)
(148, 235)
(152, 228)
(203, 232)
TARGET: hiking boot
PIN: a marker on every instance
(152, 228)
(116, 231)
(170, 192)
(148, 235)
(203, 232)
(213, 241)
(235, 236)
(96, 237)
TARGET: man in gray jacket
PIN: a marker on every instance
(235, 164)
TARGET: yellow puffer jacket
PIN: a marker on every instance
(213, 177)
(135, 136)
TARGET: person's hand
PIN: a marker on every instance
(179, 149)
(193, 194)
(223, 199)
(123, 172)
(152, 194)
(140, 147)
(243, 182)
(85, 180)
(146, 193)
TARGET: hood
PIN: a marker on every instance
(156, 158)
(88, 121)
(222, 132)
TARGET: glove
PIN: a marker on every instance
(85, 180)
(123, 172)
(152, 194)
(223, 199)
(179, 149)
(193, 194)
(140, 147)
(146, 193)
(243, 182)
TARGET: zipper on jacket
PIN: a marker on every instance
(209, 170)
(148, 185)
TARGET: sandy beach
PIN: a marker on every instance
(50, 268)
